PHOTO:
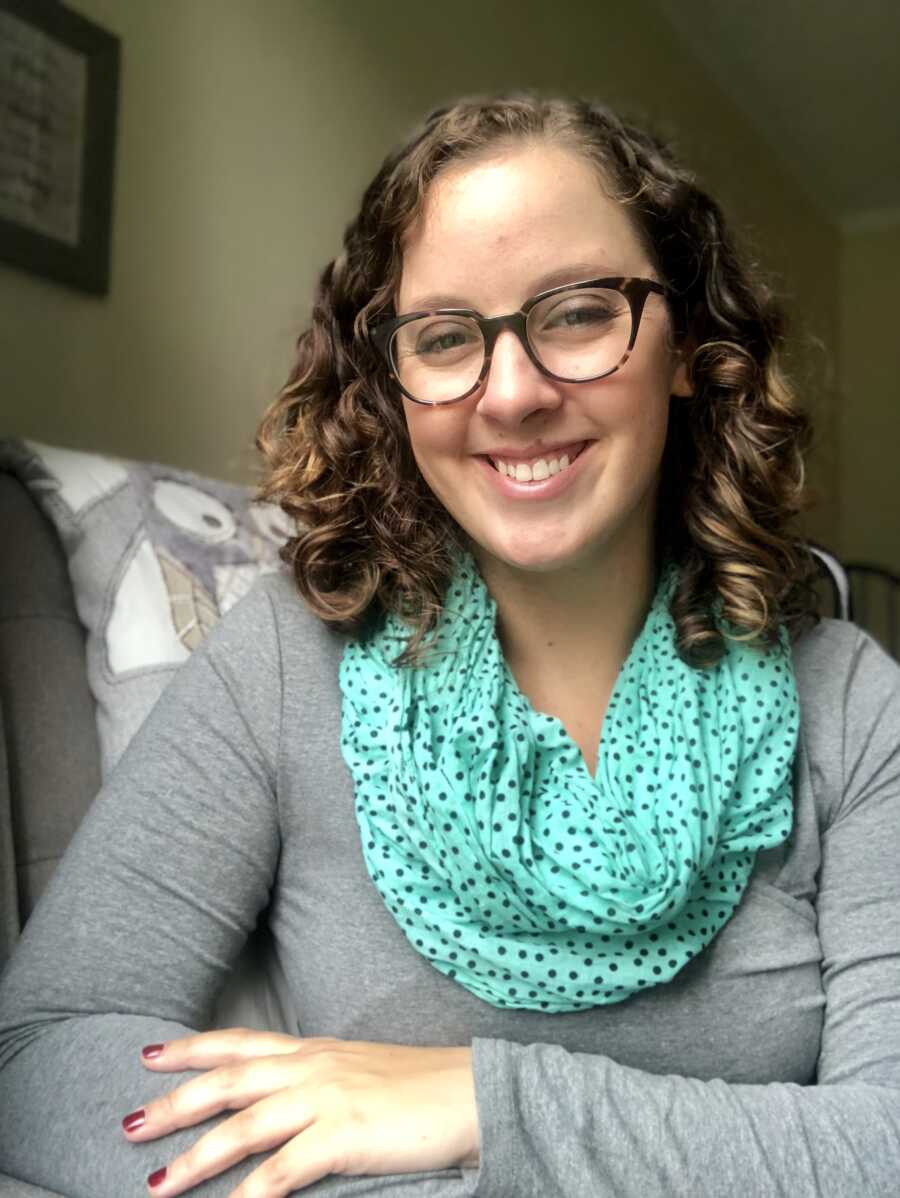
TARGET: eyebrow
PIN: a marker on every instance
(574, 272)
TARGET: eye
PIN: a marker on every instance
(437, 342)
(581, 313)
(429, 341)
(590, 313)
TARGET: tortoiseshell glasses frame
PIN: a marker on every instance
(635, 291)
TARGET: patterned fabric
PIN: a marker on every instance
(508, 866)
(156, 556)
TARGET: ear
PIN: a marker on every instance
(682, 385)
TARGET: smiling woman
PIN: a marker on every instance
(590, 529)
(489, 205)
(570, 819)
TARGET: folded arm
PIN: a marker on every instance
(141, 925)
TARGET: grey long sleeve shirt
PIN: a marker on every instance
(770, 1065)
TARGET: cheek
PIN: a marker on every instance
(435, 437)
(636, 411)
(419, 434)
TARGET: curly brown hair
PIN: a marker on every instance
(371, 536)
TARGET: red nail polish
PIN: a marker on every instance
(152, 1050)
(155, 1178)
(133, 1121)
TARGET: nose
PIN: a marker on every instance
(514, 386)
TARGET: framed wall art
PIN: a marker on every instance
(59, 85)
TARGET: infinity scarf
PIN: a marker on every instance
(509, 867)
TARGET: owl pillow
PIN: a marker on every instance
(156, 557)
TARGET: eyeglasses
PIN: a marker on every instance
(576, 333)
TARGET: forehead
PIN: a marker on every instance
(486, 229)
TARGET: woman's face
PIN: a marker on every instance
(488, 237)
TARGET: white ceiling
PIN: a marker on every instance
(820, 81)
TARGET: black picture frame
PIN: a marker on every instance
(58, 109)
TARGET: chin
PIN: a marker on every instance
(544, 557)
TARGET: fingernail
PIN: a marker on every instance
(134, 1120)
(155, 1178)
(152, 1050)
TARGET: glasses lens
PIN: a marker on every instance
(582, 333)
(438, 358)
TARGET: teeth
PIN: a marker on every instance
(541, 469)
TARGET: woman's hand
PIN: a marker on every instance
(328, 1106)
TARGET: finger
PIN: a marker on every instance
(227, 1087)
(205, 1050)
(308, 1157)
(260, 1128)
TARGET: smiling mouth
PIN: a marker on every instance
(550, 459)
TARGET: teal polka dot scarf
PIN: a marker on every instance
(505, 863)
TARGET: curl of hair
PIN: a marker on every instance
(371, 536)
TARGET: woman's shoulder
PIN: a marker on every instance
(274, 610)
(836, 657)
(267, 649)
(848, 687)
(272, 605)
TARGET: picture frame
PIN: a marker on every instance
(59, 87)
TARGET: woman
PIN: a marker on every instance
(570, 819)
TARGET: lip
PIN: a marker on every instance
(547, 488)
(532, 452)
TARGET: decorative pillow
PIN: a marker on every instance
(156, 556)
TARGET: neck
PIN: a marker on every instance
(574, 624)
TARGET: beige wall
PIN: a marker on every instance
(869, 414)
(247, 132)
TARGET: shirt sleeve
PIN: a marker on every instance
(141, 924)
(566, 1125)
